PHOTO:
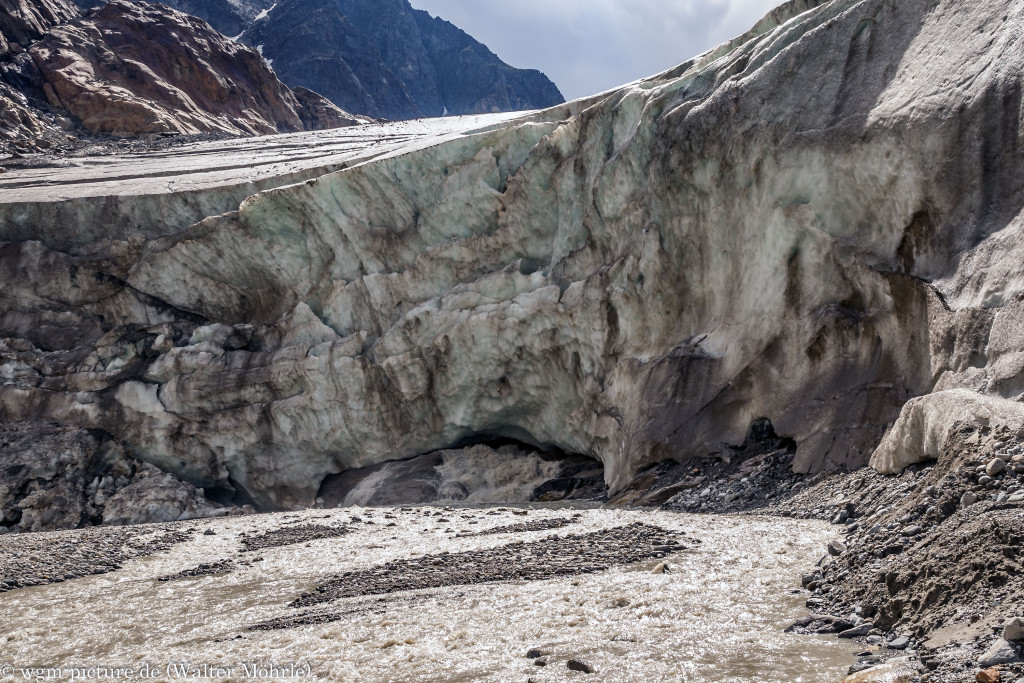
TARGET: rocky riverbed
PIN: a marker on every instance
(931, 558)
(919, 573)
(404, 593)
(927, 574)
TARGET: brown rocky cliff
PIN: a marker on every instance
(133, 69)
(25, 21)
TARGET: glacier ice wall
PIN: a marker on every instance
(814, 223)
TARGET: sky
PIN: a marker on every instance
(589, 46)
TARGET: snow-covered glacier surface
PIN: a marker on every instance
(813, 223)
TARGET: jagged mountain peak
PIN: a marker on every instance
(313, 45)
(390, 60)
(380, 58)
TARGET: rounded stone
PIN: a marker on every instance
(995, 466)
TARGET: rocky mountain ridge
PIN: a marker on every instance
(379, 58)
(138, 69)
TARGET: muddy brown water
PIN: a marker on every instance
(717, 615)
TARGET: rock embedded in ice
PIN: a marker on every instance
(836, 548)
(57, 478)
(155, 496)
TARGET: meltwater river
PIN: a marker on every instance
(717, 614)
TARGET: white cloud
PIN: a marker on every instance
(586, 46)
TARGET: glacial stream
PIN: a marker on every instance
(717, 614)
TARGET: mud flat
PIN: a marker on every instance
(632, 595)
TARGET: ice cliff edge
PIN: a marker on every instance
(813, 224)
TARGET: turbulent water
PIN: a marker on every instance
(487, 479)
(477, 475)
(717, 615)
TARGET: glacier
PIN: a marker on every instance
(814, 223)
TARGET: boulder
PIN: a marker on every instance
(995, 467)
(857, 631)
(836, 548)
(1013, 630)
(991, 675)
(1001, 652)
(820, 623)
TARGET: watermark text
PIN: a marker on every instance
(181, 671)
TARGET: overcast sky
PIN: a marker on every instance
(587, 46)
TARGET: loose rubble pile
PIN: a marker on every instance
(205, 569)
(929, 572)
(748, 477)
(746, 485)
(548, 524)
(553, 556)
(291, 535)
(579, 478)
(39, 559)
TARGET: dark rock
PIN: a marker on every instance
(230, 17)
(554, 556)
(857, 631)
(318, 113)
(312, 44)
(206, 569)
(901, 643)
(819, 623)
(290, 535)
(577, 665)
(858, 667)
(382, 58)
(57, 478)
